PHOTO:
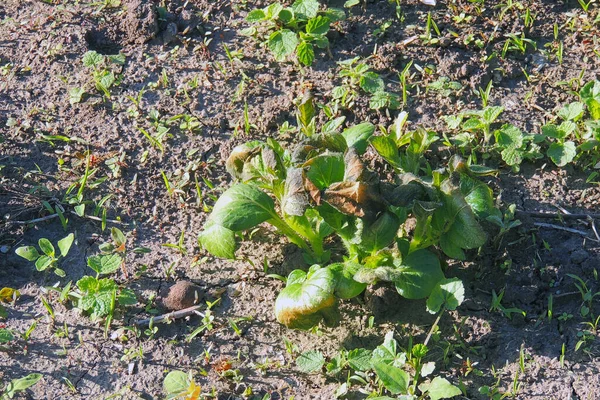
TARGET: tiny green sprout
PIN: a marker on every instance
(48, 258)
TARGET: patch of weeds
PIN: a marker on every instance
(104, 74)
(389, 369)
(48, 258)
(357, 75)
(297, 29)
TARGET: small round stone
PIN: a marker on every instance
(182, 295)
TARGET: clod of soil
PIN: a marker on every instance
(182, 295)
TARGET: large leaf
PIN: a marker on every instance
(218, 241)
(358, 136)
(283, 43)
(420, 272)
(242, 207)
(326, 169)
(478, 195)
(386, 148)
(305, 9)
(318, 25)
(355, 169)
(562, 153)
(350, 198)
(439, 388)
(21, 384)
(301, 304)
(449, 293)
(509, 136)
(393, 378)
(381, 233)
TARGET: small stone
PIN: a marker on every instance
(579, 256)
(182, 295)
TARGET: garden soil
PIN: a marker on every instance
(176, 63)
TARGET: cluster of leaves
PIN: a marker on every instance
(399, 371)
(103, 74)
(48, 258)
(357, 75)
(321, 189)
(99, 296)
(574, 133)
(297, 29)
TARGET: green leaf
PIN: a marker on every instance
(29, 253)
(88, 284)
(346, 287)
(104, 265)
(370, 82)
(440, 388)
(310, 361)
(46, 247)
(92, 59)
(21, 384)
(325, 169)
(360, 359)
(394, 379)
(5, 335)
(318, 25)
(571, 111)
(218, 241)
(176, 383)
(512, 156)
(256, 16)
(306, 53)
(43, 262)
(449, 293)
(306, 9)
(590, 94)
(127, 297)
(117, 236)
(490, 114)
(478, 195)
(76, 95)
(242, 207)
(381, 233)
(358, 136)
(387, 352)
(420, 272)
(283, 43)
(562, 154)
(64, 244)
(509, 137)
(386, 148)
(301, 305)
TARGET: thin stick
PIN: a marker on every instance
(186, 312)
(52, 216)
(564, 228)
(535, 214)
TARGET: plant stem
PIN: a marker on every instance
(280, 224)
(437, 321)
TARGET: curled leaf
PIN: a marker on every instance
(295, 198)
(349, 198)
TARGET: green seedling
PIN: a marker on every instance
(297, 29)
(48, 258)
(179, 385)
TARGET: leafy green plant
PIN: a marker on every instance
(294, 30)
(19, 385)
(321, 189)
(48, 258)
(357, 75)
(100, 296)
(103, 74)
